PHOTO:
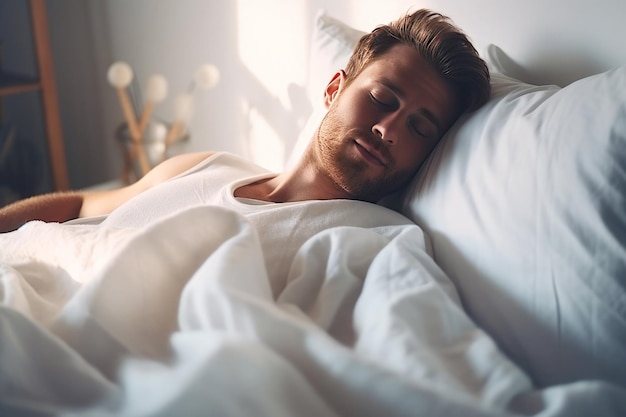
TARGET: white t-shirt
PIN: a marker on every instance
(282, 227)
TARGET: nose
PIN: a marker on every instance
(385, 129)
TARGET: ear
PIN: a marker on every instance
(334, 87)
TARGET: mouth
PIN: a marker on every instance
(370, 153)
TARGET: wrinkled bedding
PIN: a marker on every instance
(164, 320)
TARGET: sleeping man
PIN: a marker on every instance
(404, 86)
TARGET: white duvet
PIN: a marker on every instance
(169, 321)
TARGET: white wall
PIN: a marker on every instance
(261, 49)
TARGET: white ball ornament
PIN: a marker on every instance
(120, 74)
(156, 88)
(183, 108)
(207, 76)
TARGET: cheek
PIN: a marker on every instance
(354, 111)
(412, 154)
(333, 123)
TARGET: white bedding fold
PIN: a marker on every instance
(179, 318)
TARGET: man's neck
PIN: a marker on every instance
(304, 182)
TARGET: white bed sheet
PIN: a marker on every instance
(163, 321)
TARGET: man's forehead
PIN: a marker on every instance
(404, 71)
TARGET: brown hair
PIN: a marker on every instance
(440, 42)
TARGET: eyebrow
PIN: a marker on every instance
(424, 112)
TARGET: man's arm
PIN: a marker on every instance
(63, 206)
(47, 207)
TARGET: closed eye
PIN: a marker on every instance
(384, 103)
(422, 127)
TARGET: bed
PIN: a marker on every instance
(499, 289)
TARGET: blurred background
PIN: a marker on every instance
(261, 49)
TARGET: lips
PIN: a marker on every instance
(370, 153)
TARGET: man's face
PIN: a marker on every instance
(382, 126)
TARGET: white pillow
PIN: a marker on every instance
(525, 203)
(332, 43)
